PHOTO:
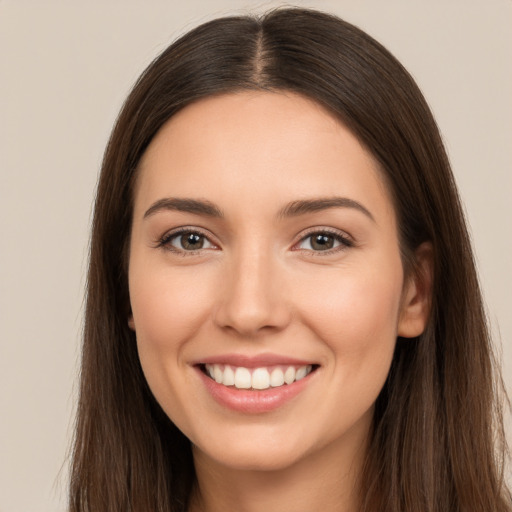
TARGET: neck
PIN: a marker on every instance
(326, 480)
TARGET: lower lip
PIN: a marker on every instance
(253, 402)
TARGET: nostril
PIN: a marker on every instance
(251, 302)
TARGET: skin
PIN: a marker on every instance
(259, 286)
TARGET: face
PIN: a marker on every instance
(266, 284)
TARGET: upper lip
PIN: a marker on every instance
(256, 361)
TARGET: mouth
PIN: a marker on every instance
(256, 379)
(255, 384)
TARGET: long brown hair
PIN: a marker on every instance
(437, 443)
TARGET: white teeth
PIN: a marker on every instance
(229, 376)
(258, 378)
(277, 378)
(218, 374)
(242, 378)
(302, 372)
(289, 375)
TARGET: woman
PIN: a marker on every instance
(283, 311)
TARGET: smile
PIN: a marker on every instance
(256, 379)
(255, 384)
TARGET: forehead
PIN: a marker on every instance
(251, 145)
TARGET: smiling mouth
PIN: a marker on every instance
(256, 379)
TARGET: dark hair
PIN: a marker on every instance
(437, 442)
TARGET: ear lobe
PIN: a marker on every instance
(131, 322)
(417, 294)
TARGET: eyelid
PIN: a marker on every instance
(163, 242)
(346, 241)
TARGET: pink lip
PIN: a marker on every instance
(250, 401)
(257, 361)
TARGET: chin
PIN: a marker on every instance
(246, 452)
(251, 459)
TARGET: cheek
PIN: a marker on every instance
(355, 303)
(356, 317)
(357, 323)
(166, 307)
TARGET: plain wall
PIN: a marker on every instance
(65, 68)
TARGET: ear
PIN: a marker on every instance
(417, 294)
(131, 322)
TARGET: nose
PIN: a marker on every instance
(253, 296)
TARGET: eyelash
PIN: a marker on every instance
(165, 241)
(344, 241)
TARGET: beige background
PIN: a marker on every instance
(65, 68)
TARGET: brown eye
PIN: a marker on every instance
(324, 241)
(191, 241)
(186, 241)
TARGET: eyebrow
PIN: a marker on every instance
(293, 209)
(197, 206)
(304, 206)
